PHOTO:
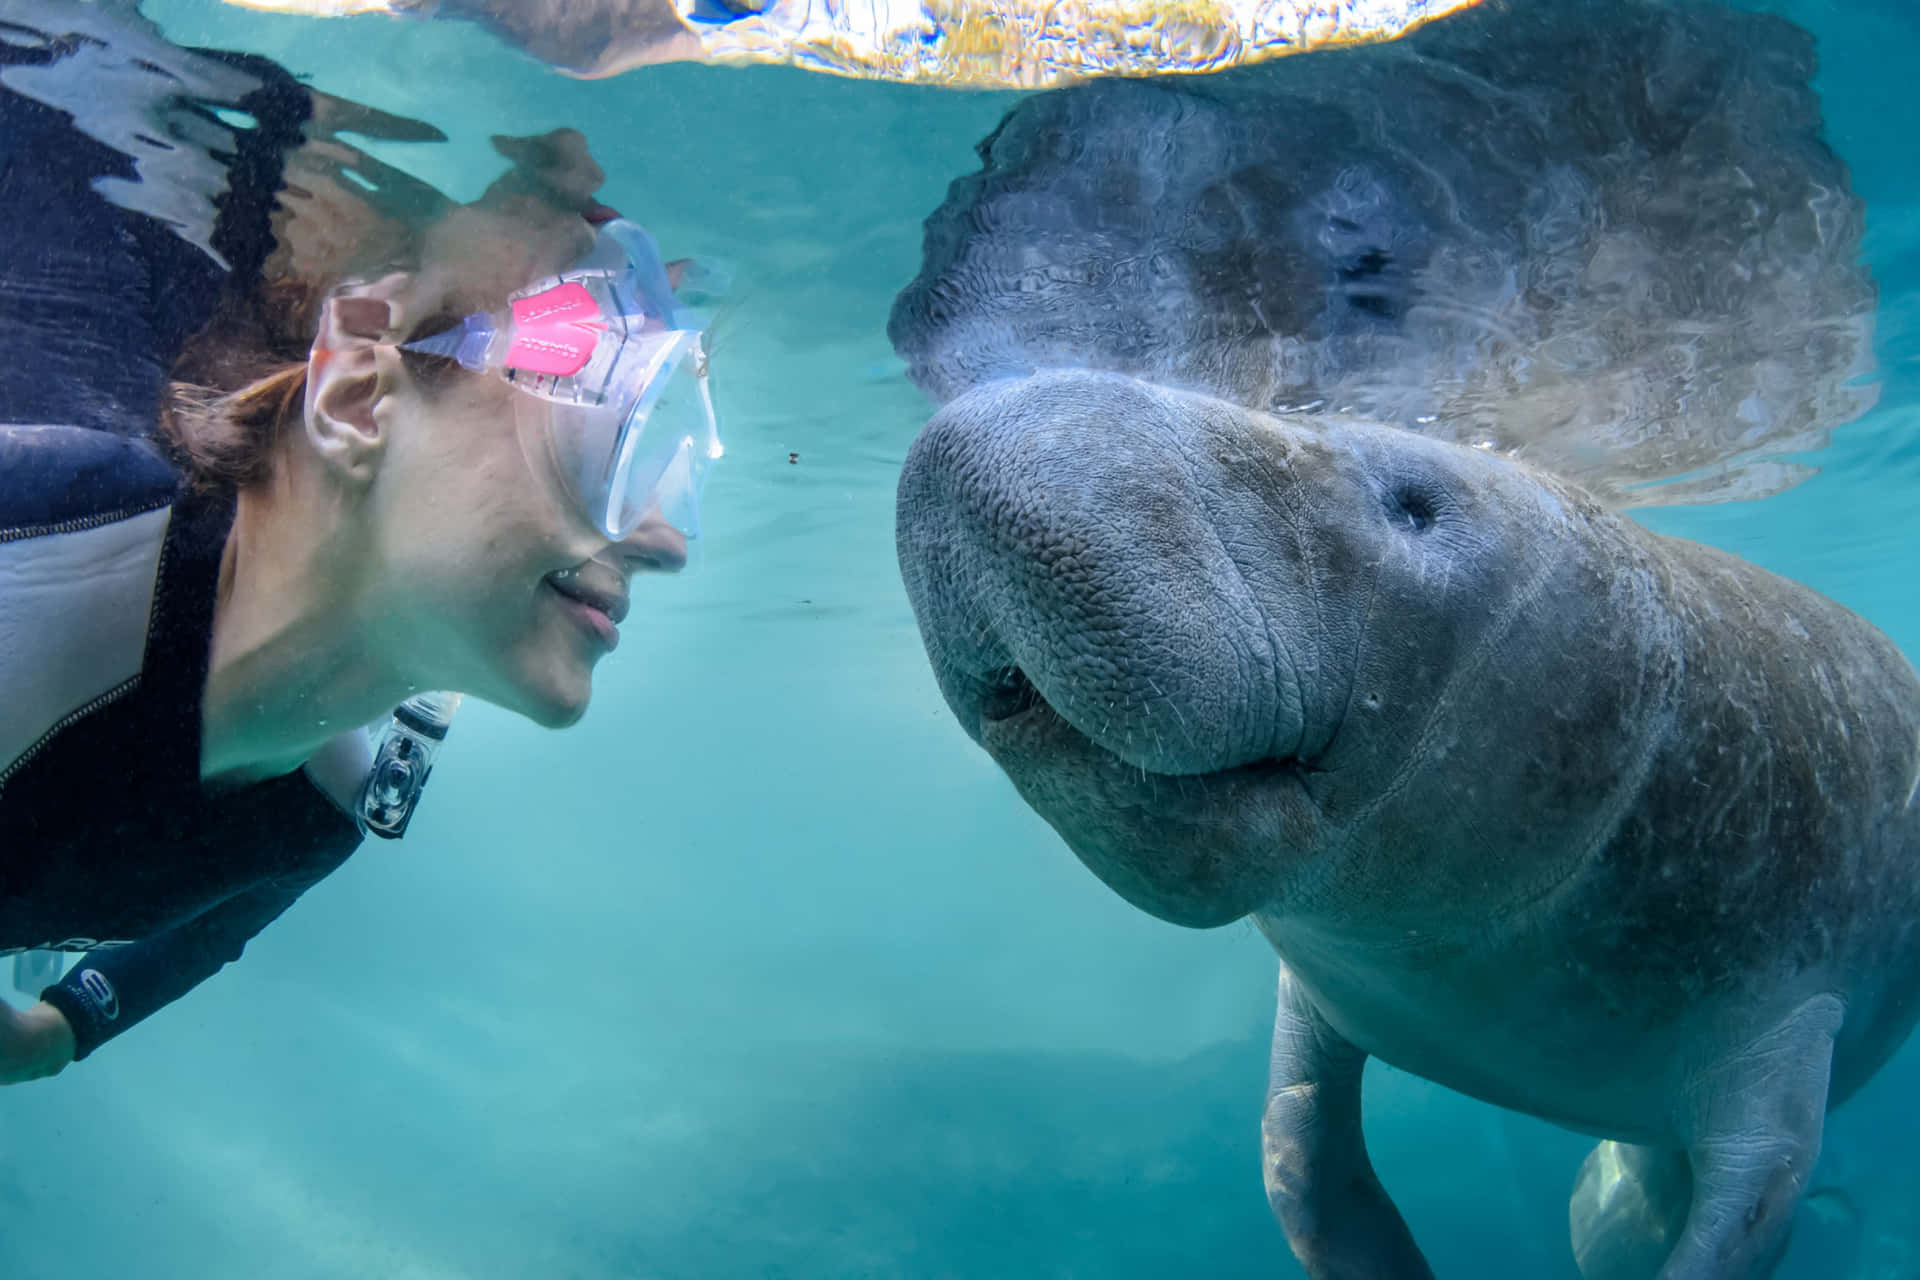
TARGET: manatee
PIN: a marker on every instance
(1269, 537)
(1610, 828)
(1604, 236)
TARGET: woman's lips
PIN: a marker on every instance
(599, 612)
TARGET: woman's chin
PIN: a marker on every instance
(563, 712)
(555, 700)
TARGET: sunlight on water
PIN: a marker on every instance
(764, 969)
(980, 43)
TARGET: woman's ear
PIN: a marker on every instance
(354, 366)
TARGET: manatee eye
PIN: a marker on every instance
(1412, 506)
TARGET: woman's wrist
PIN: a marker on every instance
(58, 1032)
(34, 1043)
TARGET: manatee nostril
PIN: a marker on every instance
(1369, 262)
(1412, 507)
(1009, 692)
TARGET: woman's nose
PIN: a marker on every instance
(654, 547)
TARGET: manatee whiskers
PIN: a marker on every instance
(1177, 715)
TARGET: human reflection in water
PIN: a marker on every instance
(205, 577)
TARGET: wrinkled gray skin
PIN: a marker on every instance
(1610, 828)
(1603, 236)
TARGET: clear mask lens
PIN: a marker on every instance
(649, 449)
(668, 445)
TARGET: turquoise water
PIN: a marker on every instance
(764, 970)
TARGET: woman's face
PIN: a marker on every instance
(493, 581)
(498, 585)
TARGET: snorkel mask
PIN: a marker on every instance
(622, 370)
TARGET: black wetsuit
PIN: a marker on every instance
(109, 842)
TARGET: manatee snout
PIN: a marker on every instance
(1062, 540)
(1145, 604)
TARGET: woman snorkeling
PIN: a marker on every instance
(347, 492)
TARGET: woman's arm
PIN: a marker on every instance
(114, 988)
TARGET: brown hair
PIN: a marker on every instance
(226, 440)
(237, 383)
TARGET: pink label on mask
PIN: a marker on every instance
(554, 331)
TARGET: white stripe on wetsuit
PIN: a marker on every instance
(74, 608)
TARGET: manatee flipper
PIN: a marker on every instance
(1320, 1183)
(1757, 1115)
(1629, 1205)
